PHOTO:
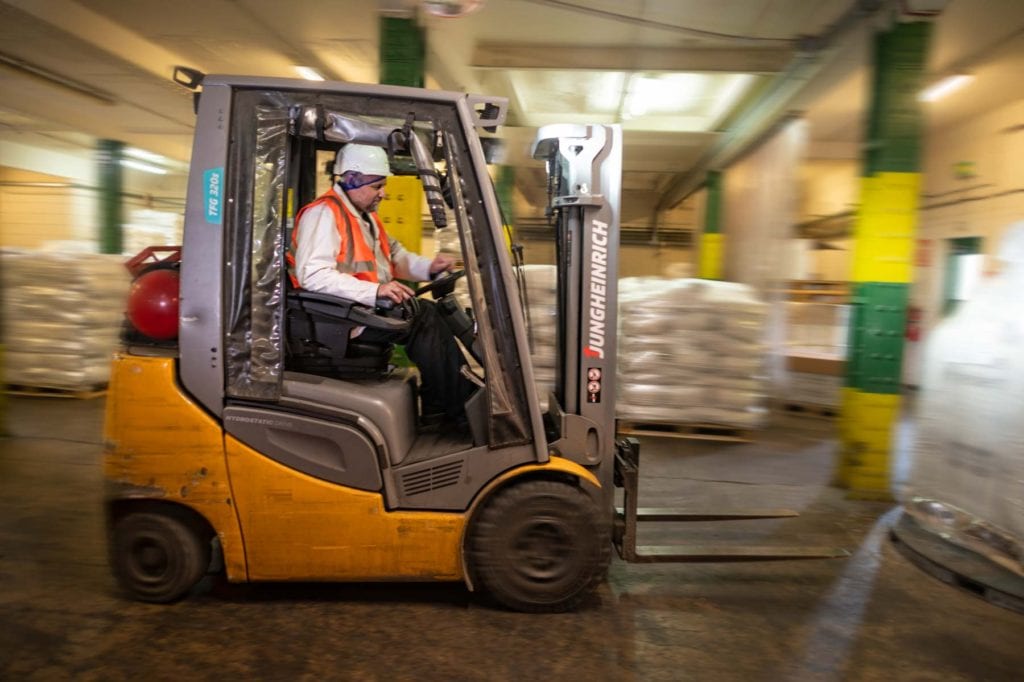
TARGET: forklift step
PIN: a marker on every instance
(651, 554)
(679, 515)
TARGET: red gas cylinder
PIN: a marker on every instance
(153, 304)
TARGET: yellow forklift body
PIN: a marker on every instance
(162, 446)
(301, 528)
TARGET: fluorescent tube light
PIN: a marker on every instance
(945, 86)
(308, 73)
(145, 167)
(142, 154)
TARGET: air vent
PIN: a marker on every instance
(434, 478)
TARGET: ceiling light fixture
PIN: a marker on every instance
(145, 167)
(142, 154)
(941, 88)
(308, 73)
(451, 9)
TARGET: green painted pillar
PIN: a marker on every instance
(402, 52)
(883, 261)
(712, 241)
(111, 187)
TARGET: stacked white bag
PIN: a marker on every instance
(691, 351)
(542, 316)
(62, 317)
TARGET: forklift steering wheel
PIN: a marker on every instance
(442, 286)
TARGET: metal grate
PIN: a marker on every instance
(434, 478)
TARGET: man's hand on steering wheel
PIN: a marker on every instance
(395, 290)
(442, 262)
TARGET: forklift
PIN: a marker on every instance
(265, 438)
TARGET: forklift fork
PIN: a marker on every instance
(627, 468)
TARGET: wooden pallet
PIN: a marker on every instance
(807, 409)
(716, 432)
(89, 393)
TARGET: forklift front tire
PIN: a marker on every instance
(540, 547)
(157, 557)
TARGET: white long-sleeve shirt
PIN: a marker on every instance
(316, 256)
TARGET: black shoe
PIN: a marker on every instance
(432, 423)
(458, 426)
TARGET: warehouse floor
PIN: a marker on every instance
(873, 616)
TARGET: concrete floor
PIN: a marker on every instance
(873, 616)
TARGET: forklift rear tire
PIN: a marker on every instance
(157, 557)
(540, 547)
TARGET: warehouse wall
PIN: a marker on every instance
(49, 199)
(31, 216)
(828, 187)
(982, 205)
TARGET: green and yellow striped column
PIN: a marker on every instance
(883, 262)
(712, 241)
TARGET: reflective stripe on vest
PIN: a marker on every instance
(360, 261)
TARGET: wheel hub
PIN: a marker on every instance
(541, 549)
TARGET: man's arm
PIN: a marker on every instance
(415, 267)
(316, 255)
(408, 265)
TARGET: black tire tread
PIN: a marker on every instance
(487, 526)
(194, 555)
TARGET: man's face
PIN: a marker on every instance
(367, 197)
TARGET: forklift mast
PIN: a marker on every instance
(584, 166)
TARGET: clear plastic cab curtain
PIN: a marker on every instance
(254, 273)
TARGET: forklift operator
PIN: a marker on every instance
(339, 247)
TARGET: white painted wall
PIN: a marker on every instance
(983, 205)
(828, 187)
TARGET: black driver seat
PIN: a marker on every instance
(318, 338)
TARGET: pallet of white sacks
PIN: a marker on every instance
(79, 393)
(712, 432)
(806, 409)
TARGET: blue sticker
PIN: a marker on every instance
(213, 193)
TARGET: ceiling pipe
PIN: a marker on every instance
(54, 78)
(814, 53)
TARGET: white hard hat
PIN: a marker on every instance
(362, 158)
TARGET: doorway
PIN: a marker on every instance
(965, 265)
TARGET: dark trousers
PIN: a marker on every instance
(430, 344)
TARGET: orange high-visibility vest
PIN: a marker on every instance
(355, 255)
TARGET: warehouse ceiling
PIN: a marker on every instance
(677, 74)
